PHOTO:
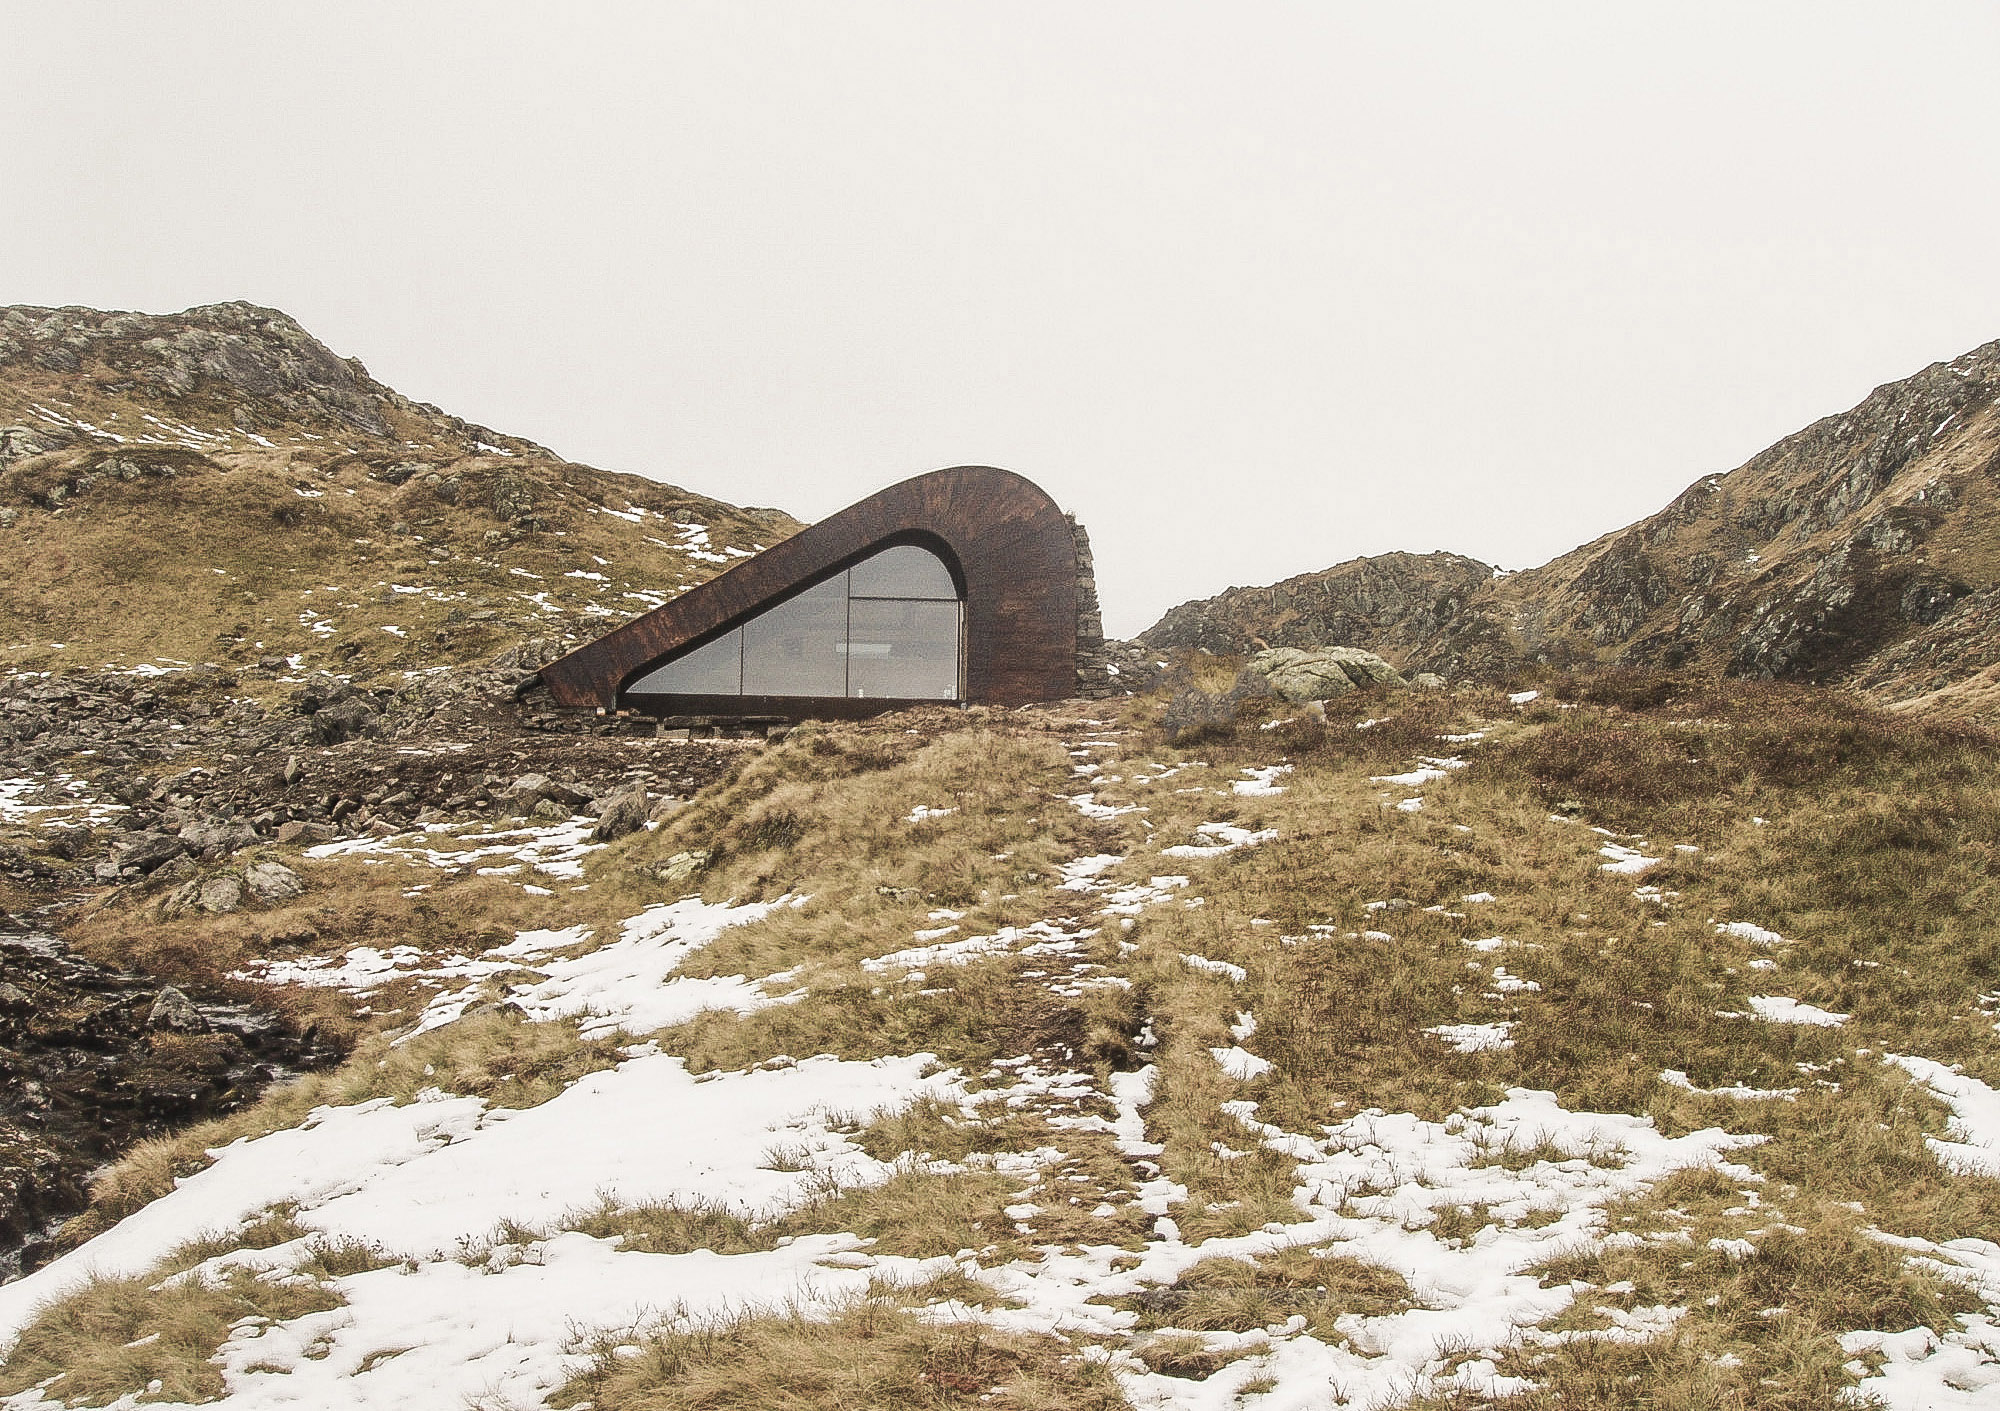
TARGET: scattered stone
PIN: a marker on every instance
(1427, 681)
(344, 720)
(666, 808)
(14, 999)
(681, 866)
(140, 853)
(623, 812)
(273, 882)
(221, 894)
(174, 1010)
(217, 835)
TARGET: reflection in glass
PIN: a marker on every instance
(903, 650)
(715, 669)
(904, 571)
(889, 628)
(795, 648)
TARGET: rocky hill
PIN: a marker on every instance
(1391, 602)
(218, 486)
(1853, 551)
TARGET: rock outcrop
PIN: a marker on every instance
(1323, 673)
(1863, 549)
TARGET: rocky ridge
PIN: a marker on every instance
(217, 485)
(1858, 550)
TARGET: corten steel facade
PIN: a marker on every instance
(959, 585)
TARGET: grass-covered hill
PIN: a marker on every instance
(217, 486)
(1627, 1044)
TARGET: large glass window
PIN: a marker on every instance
(798, 647)
(888, 628)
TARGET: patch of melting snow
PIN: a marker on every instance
(1089, 807)
(1782, 1009)
(1475, 1038)
(1746, 931)
(1922, 1370)
(1428, 770)
(1675, 1078)
(1521, 698)
(1371, 1188)
(630, 983)
(1261, 781)
(1228, 838)
(1079, 873)
(556, 850)
(1227, 971)
(1628, 862)
(923, 813)
(56, 798)
(1129, 901)
(1241, 1064)
(1975, 1120)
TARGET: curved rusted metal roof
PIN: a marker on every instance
(1012, 548)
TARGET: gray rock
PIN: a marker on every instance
(1427, 681)
(14, 999)
(623, 812)
(344, 720)
(141, 852)
(173, 1010)
(221, 835)
(1322, 673)
(8, 518)
(221, 894)
(273, 882)
(666, 808)
(530, 787)
(681, 866)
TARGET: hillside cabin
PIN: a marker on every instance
(966, 585)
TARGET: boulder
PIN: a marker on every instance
(621, 813)
(221, 894)
(139, 852)
(1427, 681)
(530, 788)
(173, 1010)
(219, 835)
(273, 882)
(1322, 673)
(344, 720)
(681, 866)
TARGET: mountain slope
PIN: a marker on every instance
(1853, 550)
(216, 485)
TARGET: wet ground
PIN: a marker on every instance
(93, 1060)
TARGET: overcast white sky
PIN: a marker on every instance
(1251, 288)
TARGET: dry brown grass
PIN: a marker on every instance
(872, 1353)
(153, 1335)
(1243, 1295)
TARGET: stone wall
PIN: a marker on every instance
(1093, 681)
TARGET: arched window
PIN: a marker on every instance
(886, 628)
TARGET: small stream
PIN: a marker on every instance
(92, 1061)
